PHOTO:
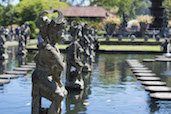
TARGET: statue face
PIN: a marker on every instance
(55, 32)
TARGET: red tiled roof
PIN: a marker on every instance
(76, 11)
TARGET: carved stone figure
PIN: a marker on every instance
(84, 41)
(3, 54)
(46, 79)
(21, 46)
(91, 45)
(74, 78)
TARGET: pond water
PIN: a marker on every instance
(110, 88)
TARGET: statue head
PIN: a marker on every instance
(51, 29)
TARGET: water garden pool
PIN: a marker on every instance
(110, 88)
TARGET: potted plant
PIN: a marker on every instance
(134, 25)
(144, 20)
(110, 24)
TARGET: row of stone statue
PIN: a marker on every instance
(46, 78)
(80, 54)
(22, 42)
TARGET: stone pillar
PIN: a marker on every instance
(157, 11)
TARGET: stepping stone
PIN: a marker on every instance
(8, 76)
(164, 59)
(158, 89)
(149, 60)
(28, 66)
(148, 78)
(141, 71)
(15, 72)
(161, 95)
(139, 68)
(160, 56)
(22, 69)
(145, 74)
(153, 83)
(4, 81)
(31, 64)
(132, 60)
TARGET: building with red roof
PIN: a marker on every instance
(86, 13)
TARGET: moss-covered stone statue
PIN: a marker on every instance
(74, 78)
(46, 78)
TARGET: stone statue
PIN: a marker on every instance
(84, 41)
(74, 78)
(46, 78)
(3, 54)
(21, 46)
(91, 45)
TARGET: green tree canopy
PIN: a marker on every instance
(130, 7)
(30, 9)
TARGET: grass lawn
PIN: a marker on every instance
(15, 43)
(130, 47)
(129, 39)
(57, 45)
(116, 47)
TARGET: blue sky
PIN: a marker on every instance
(14, 2)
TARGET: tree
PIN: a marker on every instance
(167, 4)
(130, 7)
(29, 10)
(6, 15)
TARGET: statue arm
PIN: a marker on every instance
(56, 59)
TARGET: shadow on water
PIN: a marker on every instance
(110, 88)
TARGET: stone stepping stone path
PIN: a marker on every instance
(145, 74)
(149, 60)
(141, 71)
(153, 83)
(161, 95)
(22, 69)
(158, 89)
(15, 72)
(148, 78)
(4, 81)
(8, 76)
(27, 66)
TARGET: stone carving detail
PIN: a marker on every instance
(74, 78)
(46, 79)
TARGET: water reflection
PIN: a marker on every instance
(76, 100)
(3, 66)
(22, 60)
